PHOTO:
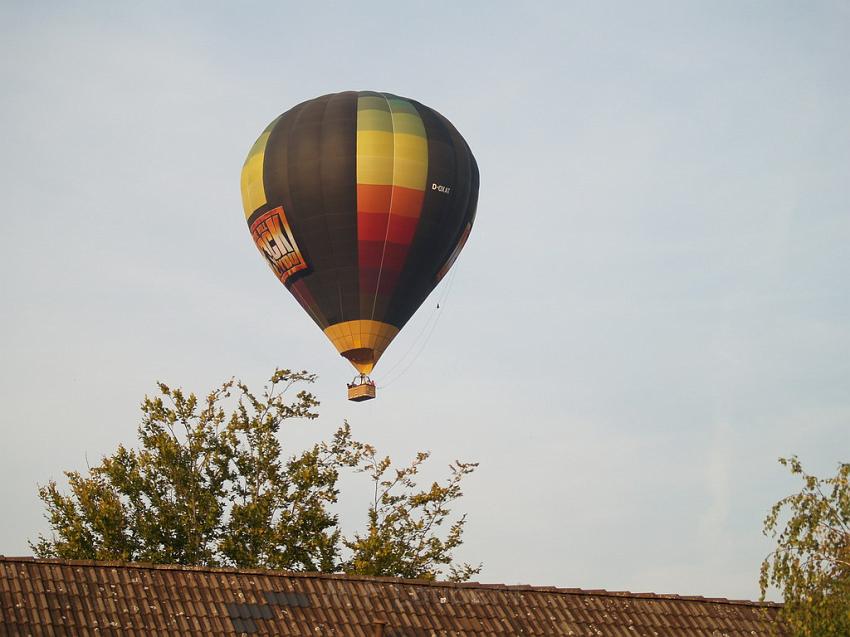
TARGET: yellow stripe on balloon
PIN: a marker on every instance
(361, 341)
(375, 157)
(253, 188)
(392, 146)
(410, 161)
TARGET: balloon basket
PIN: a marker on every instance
(361, 388)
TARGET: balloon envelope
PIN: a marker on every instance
(360, 202)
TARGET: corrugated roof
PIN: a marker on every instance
(66, 597)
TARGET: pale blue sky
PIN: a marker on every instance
(660, 253)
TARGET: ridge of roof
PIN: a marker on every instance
(388, 580)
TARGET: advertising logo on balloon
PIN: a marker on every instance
(274, 239)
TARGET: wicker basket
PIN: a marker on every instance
(361, 392)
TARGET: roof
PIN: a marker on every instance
(66, 597)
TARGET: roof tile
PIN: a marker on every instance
(45, 597)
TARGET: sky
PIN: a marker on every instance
(653, 306)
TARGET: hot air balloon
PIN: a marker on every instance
(360, 202)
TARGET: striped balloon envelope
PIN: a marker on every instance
(360, 202)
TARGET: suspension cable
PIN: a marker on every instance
(436, 316)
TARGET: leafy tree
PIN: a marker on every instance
(400, 537)
(811, 564)
(209, 485)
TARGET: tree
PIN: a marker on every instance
(209, 485)
(400, 537)
(811, 564)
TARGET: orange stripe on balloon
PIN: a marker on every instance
(372, 198)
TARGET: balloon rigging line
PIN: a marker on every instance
(427, 338)
(422, 345)
(389, 216)
(413, 343)
(428, 323)
(415, 357)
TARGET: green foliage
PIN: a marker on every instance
(811, 564)
(400, 538)
(208, 486)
